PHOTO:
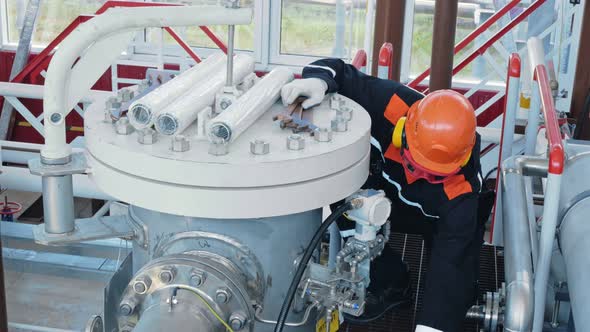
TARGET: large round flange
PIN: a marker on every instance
(237, 185)
(201, 288)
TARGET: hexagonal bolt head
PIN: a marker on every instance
(237, 321)
(222, 295)
(167, 274)
(142, 284)
(295, 142)
(126, 309)
(259, 147)
(197, 278)
(180, 143)
(125, 95)
(323, 134)
(339, 124)
(123, 127)
(147, 136)
(218, 148)
(344, 112)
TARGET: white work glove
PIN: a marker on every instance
(312, 88)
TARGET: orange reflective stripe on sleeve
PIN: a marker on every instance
(395, 109)
(457, 186)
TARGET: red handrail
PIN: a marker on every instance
(386, 58)
(183, 44)
(360, 59)
(556, 149)
(483, 48)
(471, 37)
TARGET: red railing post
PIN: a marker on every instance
(360, 60)
(385, 66)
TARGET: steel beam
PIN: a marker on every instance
(443, 40)
(20, 60)
(389, 27)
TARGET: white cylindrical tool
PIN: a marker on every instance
(176, 117)
(143, 112)
(242, 114)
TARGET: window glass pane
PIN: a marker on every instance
(322, 27)
(470, 14)
(244, 37)
(54, 17)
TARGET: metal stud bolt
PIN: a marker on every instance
(259, 147)
(123, 127)
(219, 147)
(339, 124)
(180, 143)
(142, 284)
(323, 134)
(237, 321)
(147, 136)
(167, 275)
(295, 142)
(197, 278)
(222, 295)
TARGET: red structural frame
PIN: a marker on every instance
(556, 149)
(360, 59)
(471, 37)
(386, 58)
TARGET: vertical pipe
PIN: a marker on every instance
(369, 33)
(231, 31)
(548, 230)
(58, 204)
(339, 48)
(3, 311)
(443, 40)
(389, 28)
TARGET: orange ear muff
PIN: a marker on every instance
(398, 132)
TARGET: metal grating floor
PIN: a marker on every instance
(414, 252)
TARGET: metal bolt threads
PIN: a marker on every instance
(147, 136)
(142, 284)
(123, 127)
(339, 124)
(345, 113)
(222, 296)
(237, 321)
(126, 309)
(323, 134)
(167, 275)
(180, 143)
(218, 148)
(259, 147)
(197, 278)
(295, 142)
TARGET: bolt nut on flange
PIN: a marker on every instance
(219, 147)
(237, 321)
(180, 143)
(323, 134)
(339, 124)
(259, 147)
(167, 275)
(295, 142)
(142, 284)
(345, 113)
(147, 136)
(123, 127)
(125, 95)
(197, 278)
(126, 309)
(222, 295)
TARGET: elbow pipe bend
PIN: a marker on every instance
(115, 20)
(518, 316)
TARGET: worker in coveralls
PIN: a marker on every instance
(425, 156)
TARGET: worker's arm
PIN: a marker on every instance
(373, 94)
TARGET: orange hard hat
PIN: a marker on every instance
(440, 131)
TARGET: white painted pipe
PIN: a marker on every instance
(548, 231)
(32, 91)
(21, 152)
(21, 179)
(247, 109)
(176, 117)
(143, 112)
(113, 21)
